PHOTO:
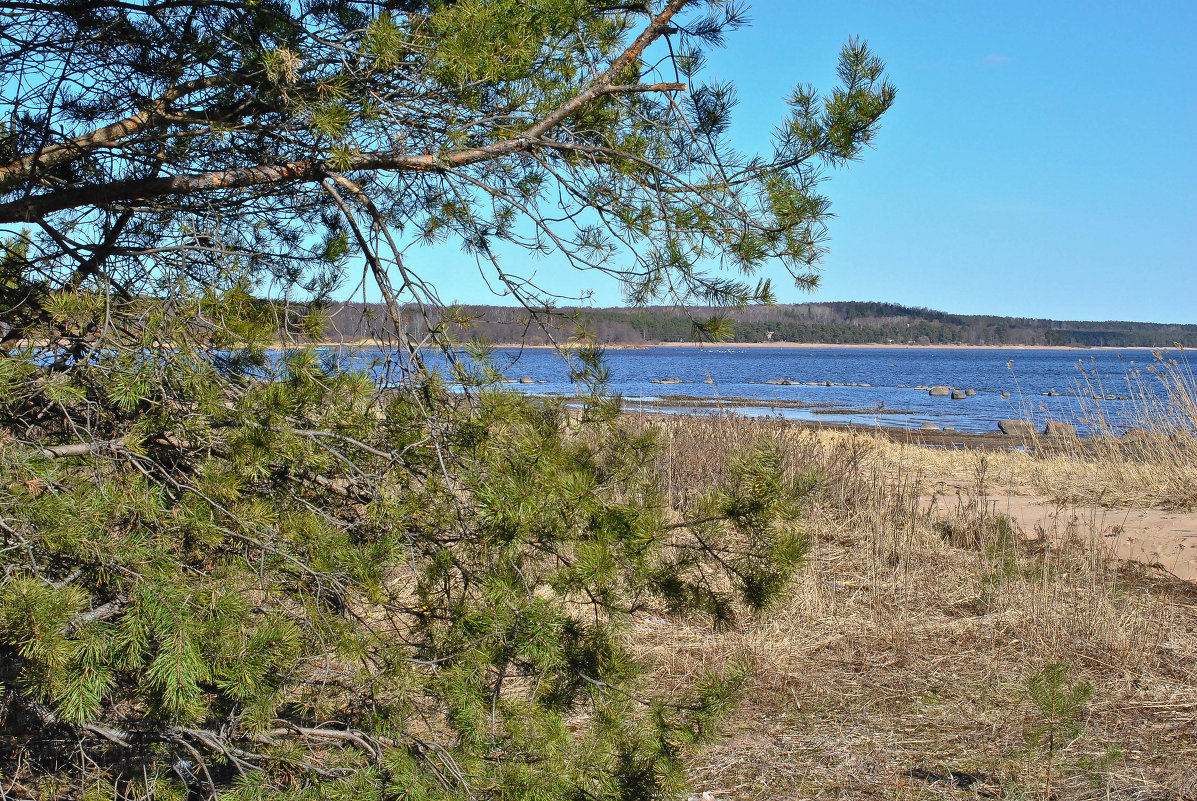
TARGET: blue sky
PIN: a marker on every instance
(1041, 159)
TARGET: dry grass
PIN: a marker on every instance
(898, 667)
(1144, 452)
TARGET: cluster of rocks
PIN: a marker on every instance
(789, 382)
(1017, 428)
(949, 392)
(1052, 393)
(670, 381)
(1025, 428)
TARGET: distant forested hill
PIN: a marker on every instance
(826, 323)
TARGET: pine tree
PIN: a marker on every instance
(238, 564)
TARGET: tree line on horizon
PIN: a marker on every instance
(845, 322)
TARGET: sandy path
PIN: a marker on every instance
(1151, 536)
(1154, 537)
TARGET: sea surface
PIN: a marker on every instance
(870, 386)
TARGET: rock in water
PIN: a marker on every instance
(1020, 428)
(940, 392)
(929, 427)
(526, 379)
(1055, 428)
(959, 394)
(970, 392)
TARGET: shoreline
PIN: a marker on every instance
(378, 343)
(860, 346)
(954, 440)
(374, 343)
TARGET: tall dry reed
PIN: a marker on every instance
(1141, 443)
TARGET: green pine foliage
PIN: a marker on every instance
(237, 564)
(1058, 719)
(301, 585)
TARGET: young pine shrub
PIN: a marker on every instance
(1057, 721)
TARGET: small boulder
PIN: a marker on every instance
(970, 392)
(949, 429)
(526, 379)
(1054, 428)
(1021, 428)
(1005, 395)
(959, 394)
(940, 392)
(929, 427)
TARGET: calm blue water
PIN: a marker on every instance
(892, 375)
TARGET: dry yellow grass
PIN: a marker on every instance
(898, 666)
(1145, 451)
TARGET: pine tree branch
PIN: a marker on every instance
(102, 612)
(371, 745)
(48, 717)
(79, 146)
(644, 87)
(303, 432)
(305, 171)
(79, 449)
(211, 740)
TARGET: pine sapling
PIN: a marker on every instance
(1059, 708)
